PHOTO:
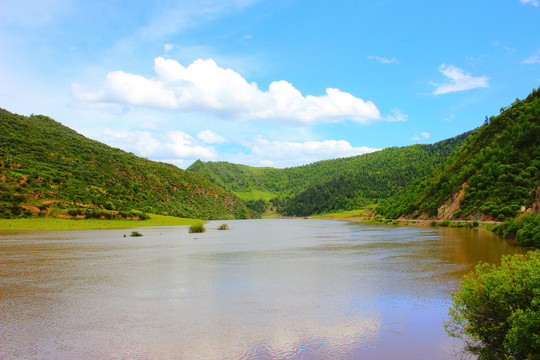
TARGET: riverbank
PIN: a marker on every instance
(362, 215)
(523, 230)
(93, 224)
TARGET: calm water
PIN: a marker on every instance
(265, 289)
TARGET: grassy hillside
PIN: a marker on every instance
(494, 175)
(47, 169)
(250, 183)
(329, 185)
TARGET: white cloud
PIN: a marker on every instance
(184, 146)
(397, 115)
(459, 80)
(423, 134)
(449, 118)
(267, 163)
(205, 87)
(174, 147)
(168, 47)
(174, 16)
(533, 59)
(384, 60)
(287, 153)
(532, 2)
(182, 149)
(210, 137)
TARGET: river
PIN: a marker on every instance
(265, 289)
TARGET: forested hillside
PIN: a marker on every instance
(328, 185)
(370, 178)
(47, 169)
(495, 175)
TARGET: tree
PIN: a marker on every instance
(497, 310)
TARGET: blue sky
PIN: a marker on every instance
(267, 83)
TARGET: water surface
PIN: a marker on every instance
(265, 289)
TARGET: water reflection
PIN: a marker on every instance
(276, 289)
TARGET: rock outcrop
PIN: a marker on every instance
(452, 205)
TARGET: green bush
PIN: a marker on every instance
(497, 310)
(223, 227)
(135, 234)
(524, 229)
(197, 228)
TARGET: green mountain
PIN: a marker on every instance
(339, 184)
(495, 175)
(371, 178)
(49, 169)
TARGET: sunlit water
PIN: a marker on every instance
(265, 289)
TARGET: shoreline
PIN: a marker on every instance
(419, 223)
(36, 224)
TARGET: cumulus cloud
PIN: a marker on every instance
(384, 60)
(459, 80)
(205, 87)
(174, 145)
(210, 137)
(287, 153)
(532, 2)
(181, 149)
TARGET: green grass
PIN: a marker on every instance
(255, 195)
(88, 224)
(342, 214)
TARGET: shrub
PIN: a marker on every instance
(144, 216)
(75, 212)
(223, 227)
(433, 223)
(135, 234)
(525, 229)
(497, 309)
(529, 234)
(197, 228)
(109, 206)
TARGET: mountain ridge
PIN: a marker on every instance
(296, 191)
